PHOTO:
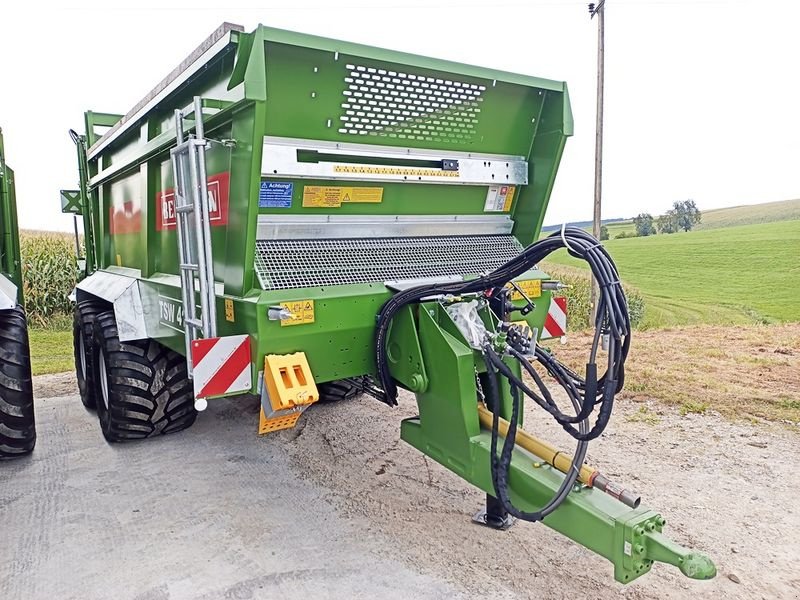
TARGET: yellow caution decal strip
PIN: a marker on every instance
(302, 312)
(411, 172)
(319, 196)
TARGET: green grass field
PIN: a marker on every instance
(51, 351)
(751, 214)
(730, 275)
(614, 229)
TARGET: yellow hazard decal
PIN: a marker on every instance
(531, 288)
(302, 312)
(363, 194)
(315, 196)
(318, 196)
(509, 198)
(229, 310)
(410, 172)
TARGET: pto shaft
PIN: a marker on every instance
(556, 458)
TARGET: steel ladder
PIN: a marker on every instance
(194, 230)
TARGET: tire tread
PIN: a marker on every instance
(336, 391)
(148, 386)
(17, 420)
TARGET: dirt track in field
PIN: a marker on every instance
(745, 372)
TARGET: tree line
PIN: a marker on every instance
(683, 216)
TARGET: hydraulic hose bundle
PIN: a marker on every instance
(585, 394)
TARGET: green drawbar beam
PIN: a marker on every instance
(448, 430)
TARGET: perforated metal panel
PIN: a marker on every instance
(401, 105)
(290, 264)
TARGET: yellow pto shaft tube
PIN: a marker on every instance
(587, 475)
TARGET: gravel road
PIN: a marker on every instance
(340, 508)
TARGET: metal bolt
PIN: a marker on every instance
(417, 382)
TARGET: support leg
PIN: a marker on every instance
(494, 515)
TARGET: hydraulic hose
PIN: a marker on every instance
(611, 319)
(585, 393)
(501, 465)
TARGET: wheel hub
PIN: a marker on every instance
(103, 377)
(82, 353)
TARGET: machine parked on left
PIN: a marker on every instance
(17, 425)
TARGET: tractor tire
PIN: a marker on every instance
(17, 424)
(143, 387)
(335, 391)
(82, 321)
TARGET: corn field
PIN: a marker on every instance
(49, 272)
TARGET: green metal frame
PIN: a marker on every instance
(280, 84)
(93, 120)
(424, 340)
(261, 84)
(10, 258)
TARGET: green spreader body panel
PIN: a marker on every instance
(333, 168)
(10, 261)
(338, 174)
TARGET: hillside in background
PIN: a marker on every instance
(583, 224)
(748, 214)
(727, 275)
(769, 212)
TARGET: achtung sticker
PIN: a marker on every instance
(302, 312)
(532, 288)
(318, 196)
(229, 310)
(499, 198)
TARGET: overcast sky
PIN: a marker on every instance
(702, 97)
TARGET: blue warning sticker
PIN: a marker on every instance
(275, 194)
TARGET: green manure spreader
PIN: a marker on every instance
(17, 425)
(300, 218)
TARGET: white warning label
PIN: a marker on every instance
(499, 198)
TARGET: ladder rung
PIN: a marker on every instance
(188, 158)
(181, 148)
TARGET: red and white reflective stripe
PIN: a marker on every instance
(555, 324)
(221, 365)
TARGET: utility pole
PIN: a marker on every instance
(599, 10)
